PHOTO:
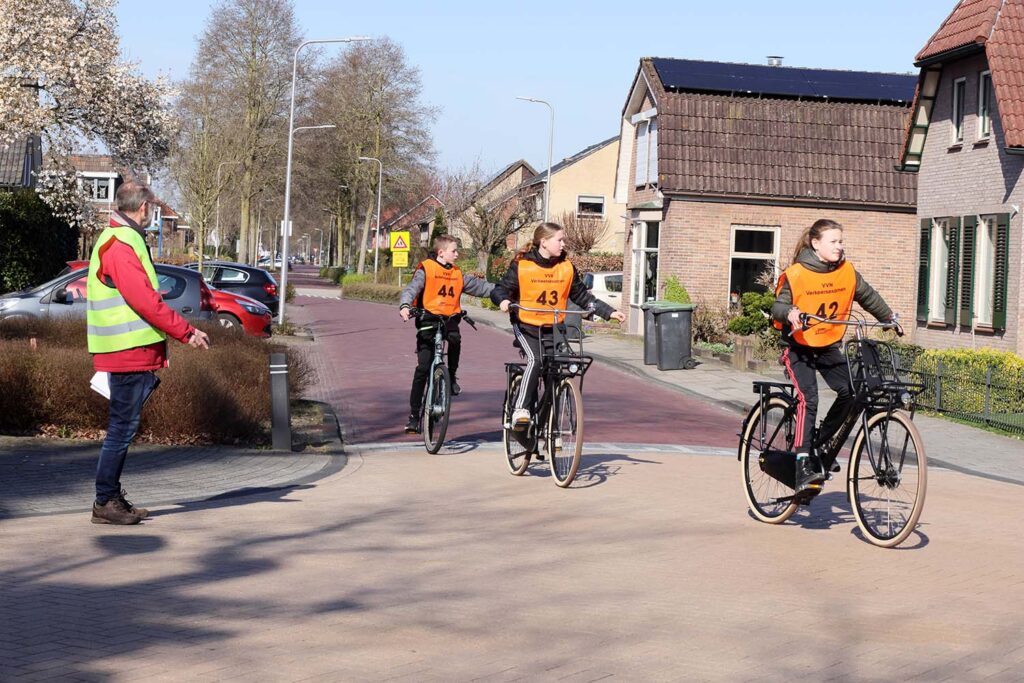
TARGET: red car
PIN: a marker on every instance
(236, 310)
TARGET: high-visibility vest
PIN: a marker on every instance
(827, 295)
(442, 291)
(541, 287)
(112, 324)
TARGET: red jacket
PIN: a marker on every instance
(119, 265)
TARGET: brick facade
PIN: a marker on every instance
(976, 177)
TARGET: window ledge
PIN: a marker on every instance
(985, 329)
(983, 142)
(937, 325)
(955, 147)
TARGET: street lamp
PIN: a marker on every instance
(305, 236)
(551, 144)
(376, 231)
(216, 250)
(288, 164)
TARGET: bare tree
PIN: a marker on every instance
(246, 53)
(487, 227)
(372, 94)
(582, 232)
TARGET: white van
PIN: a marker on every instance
(606, 286)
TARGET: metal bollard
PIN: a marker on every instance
(280, 419)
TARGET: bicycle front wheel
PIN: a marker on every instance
(518, 444)
(565, 432)
(436, 408)
(766, 448)
(887, 478)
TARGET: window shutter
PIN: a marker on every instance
(641, 154)
(1001, 271)
(970, 241)
(652, 142)
(923, 273)
(953, 271)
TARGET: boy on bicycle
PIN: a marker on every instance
(436, 287)
(823, 283)
(540, 276)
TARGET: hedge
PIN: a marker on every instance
(34, 244)
(368, 291)
(964, 374)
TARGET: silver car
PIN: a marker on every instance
(182, 289)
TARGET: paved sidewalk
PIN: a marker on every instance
(948, 444)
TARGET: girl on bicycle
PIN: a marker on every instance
(540, 276)
(820, 282)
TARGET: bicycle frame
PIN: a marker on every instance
(874, 376)
(440, 323)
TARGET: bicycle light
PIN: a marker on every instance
(906, 399)
(574, 368)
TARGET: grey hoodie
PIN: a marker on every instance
(865, 295)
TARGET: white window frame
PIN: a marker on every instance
(983, 274)
(961, 107)
(985, 105)
(939, 271)
(590, 196)
(776, 231)
(642, 153)
(640, 251)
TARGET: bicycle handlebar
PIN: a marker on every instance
(463, 315)
(851, 322)
(553, 311)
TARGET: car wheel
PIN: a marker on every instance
(228, 321)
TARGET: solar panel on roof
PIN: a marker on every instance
(685, 74)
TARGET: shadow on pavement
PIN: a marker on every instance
(597, 468)
(243, 496)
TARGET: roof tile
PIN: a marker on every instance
(971, 21)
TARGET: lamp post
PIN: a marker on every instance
(216, 250)
(288, 166)
(551, 144)
(320, 251)
(376, 230)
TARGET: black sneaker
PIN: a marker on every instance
(456, 389)
(413, 425)
(808, 475)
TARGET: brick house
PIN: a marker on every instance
(722, 166)
(966, 145)
(500, 190)
(418, 220)
(583, 185)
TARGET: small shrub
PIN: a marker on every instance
(714, 347)
(597, 262)
(675, 291)
(710, 323)
(333, 273)
(368, 291)
(499, 266)
(488, 304)
(289, 293)
(354, 278)
(753, 319)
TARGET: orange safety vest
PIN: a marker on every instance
(828, 295)
(442, 292)
(541, 287)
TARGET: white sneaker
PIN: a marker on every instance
(520, 418)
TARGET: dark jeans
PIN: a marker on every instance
(128, 393)
(802, 363)
(425, 356)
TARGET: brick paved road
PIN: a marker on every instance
(365, 356)
(418, 568)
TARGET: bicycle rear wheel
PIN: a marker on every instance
(436, 408)
(518, 444)
(565, 432)
(888, 478)
(769, 499)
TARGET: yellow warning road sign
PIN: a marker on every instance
(400, 241)
(400, 259)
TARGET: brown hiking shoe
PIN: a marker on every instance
(113, 511)
(143, 513)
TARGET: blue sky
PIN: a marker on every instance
(475, 57)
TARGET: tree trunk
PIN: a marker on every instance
(481, 261)
(246, 207)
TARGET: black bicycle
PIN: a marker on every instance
(887, 471)
(435, 408)
(557, 412)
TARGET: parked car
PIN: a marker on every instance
(239, 311)
(238, 278)
(182, 289)
(606, 286)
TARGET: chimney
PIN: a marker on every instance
(774, 60)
